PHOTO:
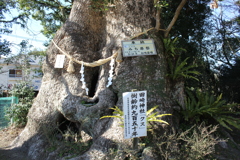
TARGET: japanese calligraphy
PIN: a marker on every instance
(134, 108)
(139, 47)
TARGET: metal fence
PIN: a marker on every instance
(5, 102)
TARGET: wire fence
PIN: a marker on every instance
(5, 102)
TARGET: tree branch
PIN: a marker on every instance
(10, 21)
(178, 10)
(158, 17)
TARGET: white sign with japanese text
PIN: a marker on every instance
(135, 119)
(140, 47)
(59, 61)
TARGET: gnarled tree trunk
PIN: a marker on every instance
(90, 35)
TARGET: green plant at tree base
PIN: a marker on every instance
(204, 106)
(18, 112)
(118, 113)
(151, 117)
(154, 117)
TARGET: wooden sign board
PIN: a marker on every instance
(135, 114)
(140, 47)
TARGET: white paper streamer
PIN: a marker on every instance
(83, 80)
(111, 73)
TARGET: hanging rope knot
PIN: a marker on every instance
(70, 68)
(119, 55)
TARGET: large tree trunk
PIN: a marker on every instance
(89, 35)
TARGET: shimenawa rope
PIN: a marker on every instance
(99, 62)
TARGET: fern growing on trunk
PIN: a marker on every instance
(205, 106)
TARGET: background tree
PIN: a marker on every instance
(6, 22)
(51, 13)
(220, 46)
(223, 47)
(229, 81)
(215, 43)
(4, 47)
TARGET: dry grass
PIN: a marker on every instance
(7, 135)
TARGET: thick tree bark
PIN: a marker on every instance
(89, 35)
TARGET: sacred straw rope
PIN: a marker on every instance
(99, 62)
(93, 64)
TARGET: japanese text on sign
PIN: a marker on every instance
(140, 47)
(135, 108)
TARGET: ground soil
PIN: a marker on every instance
(7, 136)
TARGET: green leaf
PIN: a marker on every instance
(151, 110)
(111, 117)
(161, 121)
(161, 115)
(200, 105)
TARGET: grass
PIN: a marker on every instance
(65, 144)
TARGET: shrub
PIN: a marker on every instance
(18, 112)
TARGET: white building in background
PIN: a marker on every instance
(12, 73)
